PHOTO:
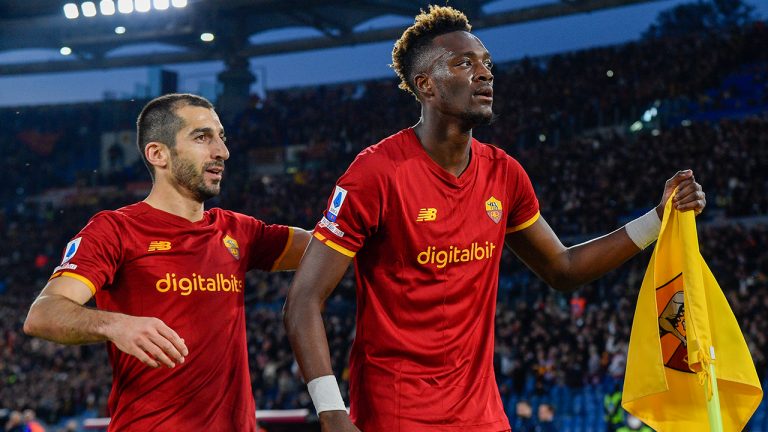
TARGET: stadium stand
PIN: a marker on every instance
(563, 117)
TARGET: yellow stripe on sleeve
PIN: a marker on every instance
(288, 244)
(337, 247)
(525, 224)
(76, 276)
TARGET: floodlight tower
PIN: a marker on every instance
(237, 78)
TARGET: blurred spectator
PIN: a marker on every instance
(524, 421)
(546, 416)
(30, 421)
(15, 422)
(634, 424)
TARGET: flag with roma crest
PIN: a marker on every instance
(681, 318)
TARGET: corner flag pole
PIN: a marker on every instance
(713, 403)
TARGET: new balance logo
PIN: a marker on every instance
(427, 215)
(159, 246)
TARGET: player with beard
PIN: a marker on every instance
(424, 213)
(168, 278)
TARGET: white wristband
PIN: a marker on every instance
(645, 229)
(325, 394)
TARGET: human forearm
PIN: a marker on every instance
(306, 333)
(60, 319)
(588, 261)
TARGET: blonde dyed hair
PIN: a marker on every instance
(438, 20)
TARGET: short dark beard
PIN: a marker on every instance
(475, 119)
(189, 179)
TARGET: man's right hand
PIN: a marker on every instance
(336, 421)
(148, 339)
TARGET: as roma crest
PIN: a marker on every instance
(670, 306)
(493, 208)
(232, 246)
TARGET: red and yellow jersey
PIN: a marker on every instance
(145, 262)
(427, 247)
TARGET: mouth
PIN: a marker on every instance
(215, 171)
(485, 93)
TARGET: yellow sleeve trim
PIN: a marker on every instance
(76, 276)
(525, 224)
(288, 244)
(337, 247)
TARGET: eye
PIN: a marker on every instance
(489, 64)
(201, 138)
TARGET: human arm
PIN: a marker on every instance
(320, 271)
(566, 268)
(59, 315)
(295, 249)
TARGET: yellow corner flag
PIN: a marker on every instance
(681, 315)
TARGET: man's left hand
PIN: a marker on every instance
(690, 195)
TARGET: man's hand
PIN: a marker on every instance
(336, 421)
(148, 339)
(689, 195)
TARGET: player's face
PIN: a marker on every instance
(461, 71)
(197, 159)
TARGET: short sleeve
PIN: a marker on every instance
(94, 254)
(269, 243)
(356, 205)
(524, 210)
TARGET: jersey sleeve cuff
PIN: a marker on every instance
(288, 244)
(76, 276)
(525, 224)
(335, 246)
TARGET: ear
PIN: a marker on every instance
(157, 154)
(423, 85)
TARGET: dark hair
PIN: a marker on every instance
(158, 121)
(427, 25)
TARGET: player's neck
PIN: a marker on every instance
(447, 144)
(172, 201)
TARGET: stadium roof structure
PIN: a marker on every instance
(32, 24)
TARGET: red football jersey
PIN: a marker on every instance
(145, 262)
(427, 247)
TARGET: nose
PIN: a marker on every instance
(219, 150)
(483, 73)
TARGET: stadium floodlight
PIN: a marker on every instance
(125, 6)
(70, 11)
(161, 4)
(609, 73)
(107, 7)
(143, 5)
(65, 51)
(89, 9)
(179, 3)
(119, 29)
(207, 37)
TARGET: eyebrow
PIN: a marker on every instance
(473, 53)
(204, 130)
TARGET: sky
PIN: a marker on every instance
(369, 61)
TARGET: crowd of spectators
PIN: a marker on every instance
(588, 181)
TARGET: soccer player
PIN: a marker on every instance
(168, 277)
(424, 214)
